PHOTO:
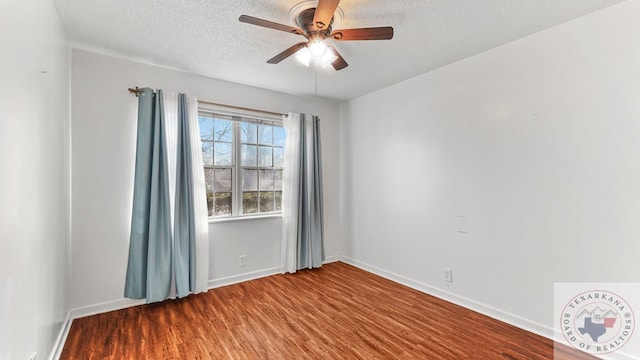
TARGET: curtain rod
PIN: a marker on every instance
(137, 91)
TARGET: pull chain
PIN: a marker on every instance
(315, 75)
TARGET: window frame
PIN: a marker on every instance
(237, 119)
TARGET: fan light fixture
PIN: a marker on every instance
(306, 57)
(317, 48)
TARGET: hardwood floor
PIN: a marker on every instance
(336, 312)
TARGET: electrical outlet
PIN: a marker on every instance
(448, 276)
(243, 260)
(34, 356)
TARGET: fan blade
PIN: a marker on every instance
(339, 63)
(377, 33)
(324, 13)
(270, 24)
(285, 54)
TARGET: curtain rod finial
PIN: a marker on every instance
(135, 91)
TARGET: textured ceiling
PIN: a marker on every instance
(205, 37)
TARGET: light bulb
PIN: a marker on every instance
(304, 56)
(317, 48)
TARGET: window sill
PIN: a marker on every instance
(244, 218)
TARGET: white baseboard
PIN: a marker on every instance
(484, 309)
(104, 307)
(234, 279)
(124, 303)
(58, 345)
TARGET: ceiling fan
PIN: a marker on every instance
(315, 24)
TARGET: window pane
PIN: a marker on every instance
(266, 202)
(277, 183)
(249, 155)
(278, 200)
(265, 134)
(261, 148)
(249, 180)
(278, 157)
(208, 178)
(222, 154)
(223, 204)
(223, 130)
(206, 127)
(279, 136)
(248, 133)
(222, 180)
(250, 202)
(265, 157)
(207, 153)
(266, 180)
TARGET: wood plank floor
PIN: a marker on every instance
(336, 312)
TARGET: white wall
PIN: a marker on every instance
(34, 178)
(104, 130)
(532, 149)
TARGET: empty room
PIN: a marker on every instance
(319, 179)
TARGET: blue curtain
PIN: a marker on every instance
(162, 263)
(310, 210)
(150, 253)
(303, 219)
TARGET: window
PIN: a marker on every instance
(243, 160)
